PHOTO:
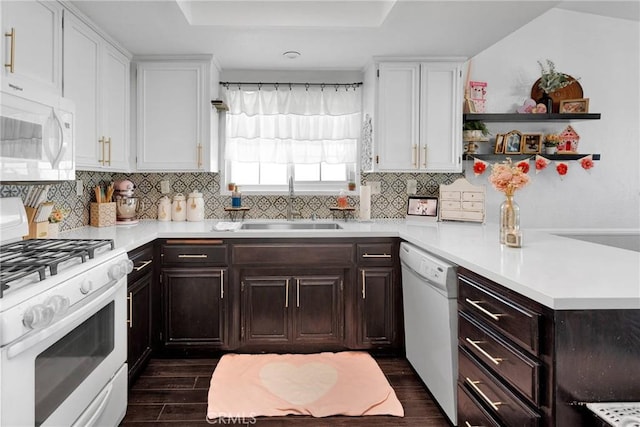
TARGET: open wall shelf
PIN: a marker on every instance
(518, 157)
(515, 117)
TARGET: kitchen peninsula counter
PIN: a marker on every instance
(558, 272)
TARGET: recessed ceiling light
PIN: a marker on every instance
(291, 54)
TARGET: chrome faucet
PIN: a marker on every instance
(290, 212)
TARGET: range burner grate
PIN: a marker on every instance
(28, 257)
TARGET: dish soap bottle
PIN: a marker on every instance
(236, 198)
(342, 200)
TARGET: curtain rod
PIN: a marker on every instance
(290, 84)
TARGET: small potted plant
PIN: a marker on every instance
(474, 130)
(351, 186)
(551, 81)
(551, 142)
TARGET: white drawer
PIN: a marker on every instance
(451, 195)
(462, 215)
(450, 204)
(472, 206)
(472, 196)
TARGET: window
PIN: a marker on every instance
(309, 133)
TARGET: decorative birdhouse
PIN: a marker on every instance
(569, 140)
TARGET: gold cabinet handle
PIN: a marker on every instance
(130, 319)
(199, 155)
(221, 284)
(366, 255)
(414, 156)
(297, 292)
(108, 141)
(474, 344)
(364, 285)
(12, 53)
(424, 159)
(192, 255)
(474, 385)
(476, 304)
(286, 295)
(101, 142)
(143, 265)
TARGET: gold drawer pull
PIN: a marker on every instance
(366, 255)
(286, 294)
(192, 256)
(495, 360)
(476, 304)
(221, 284)
(473, 384)
(364, 285)
(143, 265)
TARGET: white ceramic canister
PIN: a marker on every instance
(179, 208)
(195, 206)
(164, 209)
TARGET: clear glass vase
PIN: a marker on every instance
(509, 219)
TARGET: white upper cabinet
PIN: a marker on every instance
(418, 117)
(96, 78)
(174, 115)
(31, 47)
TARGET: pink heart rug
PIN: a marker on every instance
(323, 384)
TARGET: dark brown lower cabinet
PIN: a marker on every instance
(141, 291)
(194, 308)
(140, 330)
(376, 307)
(524, 364)
(292, 311)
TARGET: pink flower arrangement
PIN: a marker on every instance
(507, 178)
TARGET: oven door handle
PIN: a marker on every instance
(76, 315)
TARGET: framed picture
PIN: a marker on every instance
(574, 106)
(532, 143)
(499, 144)
(512, 142)
(422, 207)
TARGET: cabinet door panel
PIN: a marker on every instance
(265, 309)
(115, 107)
(376, 298)
(38, 49)
(318, 308)
(398, 107)
(140, 324)
(194, 306)
(440, 117)
(81, 70)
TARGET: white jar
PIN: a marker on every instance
(195, 207)
(164, 209)
(179, 208)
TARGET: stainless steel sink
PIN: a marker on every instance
(290, 226)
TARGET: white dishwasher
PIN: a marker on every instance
(430, 322)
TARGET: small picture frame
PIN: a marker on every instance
(513, 142)
(422, 207)
(499, 144)
(574, 106)
(532, 143)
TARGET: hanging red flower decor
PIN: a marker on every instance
(587, 162)
(523, 165)
(562, 168)
(541, 163)
(479, 167)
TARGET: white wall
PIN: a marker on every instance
(605, 54)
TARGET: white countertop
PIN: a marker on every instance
(558, 272)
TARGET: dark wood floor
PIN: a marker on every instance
(173, 392)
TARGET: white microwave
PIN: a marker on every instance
(36, 138)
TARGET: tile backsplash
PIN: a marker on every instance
(390, 203)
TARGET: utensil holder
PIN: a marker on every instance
(102, 214)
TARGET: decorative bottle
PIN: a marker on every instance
(236, 198)
(510, 222)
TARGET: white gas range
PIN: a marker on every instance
(63, 311)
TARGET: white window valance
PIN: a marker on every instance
(293, 125)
